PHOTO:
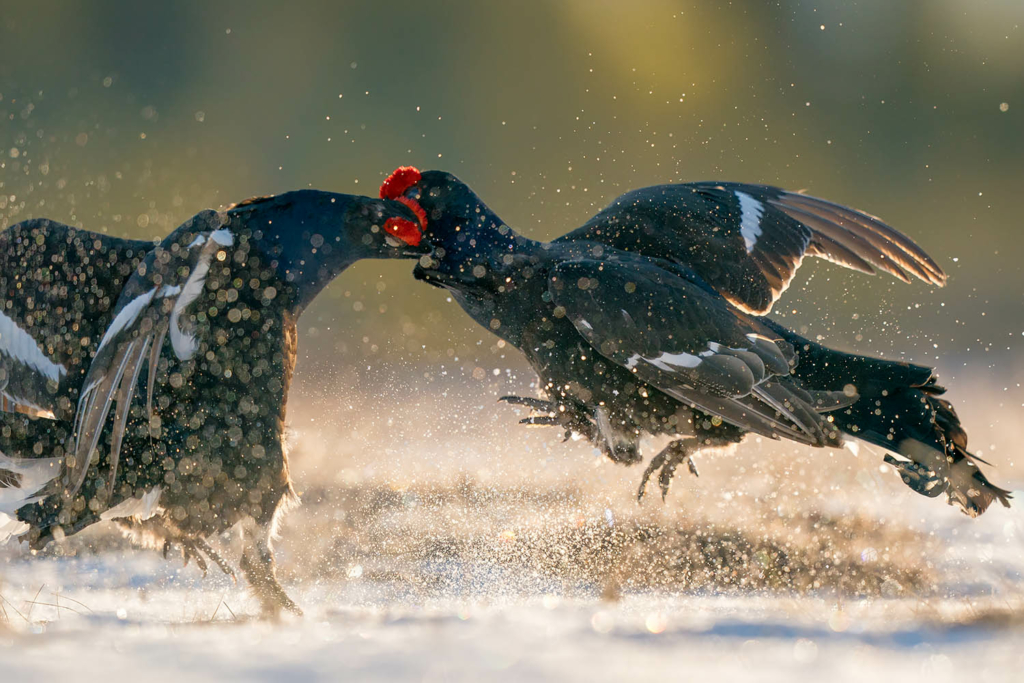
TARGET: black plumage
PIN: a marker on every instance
(58, 286)
(172, 366)
(649, 320)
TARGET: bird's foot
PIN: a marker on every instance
(665, 463)
(199, 550)
(263, 581)
(216, 558)
(274, 601)
(189, 552)
(550, 410)
(555, 415)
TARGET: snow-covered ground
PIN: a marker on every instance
(156, 627)
(486, 552)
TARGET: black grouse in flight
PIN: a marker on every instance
(649, 320)
(147, 383)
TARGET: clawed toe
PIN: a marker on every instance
(541, 420)
(190, 552)
(216, 558)
(198, 550)
(665, 478)
(665, 464)
(535, 403)
(656, 462)
(554, 415)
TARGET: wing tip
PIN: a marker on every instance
(917, 261)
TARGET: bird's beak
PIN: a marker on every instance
(409, 250)
(429, 261)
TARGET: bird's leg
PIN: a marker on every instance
(189, 552)
(578, 423)
(260, 570)
(194, 548)
(722, 434)
(160, 533)
(670, 457)
(212, 554)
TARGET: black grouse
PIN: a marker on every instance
(649, 320)
(147, 383)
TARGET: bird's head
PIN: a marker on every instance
(309, 237)
(473, 248)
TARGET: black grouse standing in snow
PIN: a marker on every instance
(150, 382)
(647, 320)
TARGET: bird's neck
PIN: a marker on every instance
(304, 270)
(312, 278)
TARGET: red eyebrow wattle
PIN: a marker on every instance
(405, 230)
(414, 206)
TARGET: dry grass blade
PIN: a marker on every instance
(16, 610)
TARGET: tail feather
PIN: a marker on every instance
(898, 408)
(968, 488)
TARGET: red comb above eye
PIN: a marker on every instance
(404, 230)
(395, 187)
(398, 182)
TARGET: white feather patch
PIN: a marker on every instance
(223, 237)
(35, 474)
(18, 344)
(751, 212)
(925, 455)
(127, 316)
(17, 404)
(184, 343)
(671, 361)
(667, 361)
(140, 508)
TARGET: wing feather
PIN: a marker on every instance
(845, 216)
(869, 247)
(688, 343)
(125, 394)
(748, 241)
(171, 278)
(98, 398)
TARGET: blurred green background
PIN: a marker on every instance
(128, 117)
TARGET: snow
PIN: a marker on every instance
(159, 626)
(448, 554)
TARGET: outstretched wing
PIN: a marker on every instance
(690, 344)
(56, 289)
(28, 376)
(747, 241)
(149, 310)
